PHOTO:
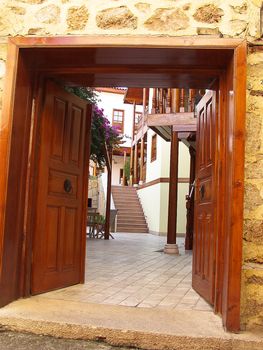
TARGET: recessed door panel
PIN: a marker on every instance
(205, 198)
(60, 203)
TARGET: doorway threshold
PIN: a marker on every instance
(144, 328)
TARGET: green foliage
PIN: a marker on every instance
(127, 170)
(87, 94)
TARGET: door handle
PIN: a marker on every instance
(67, 186)
(202, 191)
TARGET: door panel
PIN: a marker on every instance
(205, 198)
(60, 204)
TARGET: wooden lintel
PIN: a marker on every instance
(171, 119)
(185, 128)
(183, 135)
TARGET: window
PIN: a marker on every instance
(154, 148)
(118, 119)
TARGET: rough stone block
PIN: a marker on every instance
(253, 197)
(242, 9)
(116, 18)
(77, 17)
(167, 19)
(208, 14)
(143, 6)
(253, 253)
(48, 14)
(253, 231)
(32, 2)
(18, 10)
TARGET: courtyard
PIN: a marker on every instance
(132, 270)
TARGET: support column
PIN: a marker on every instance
(141, 161)
(135, 168)
(190, 204)
(108, 198)
(171, 247)
(133, 124)
(131, 166)
(124, 162)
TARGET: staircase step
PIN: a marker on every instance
(132, 230)
(131, 222)
(130, 216)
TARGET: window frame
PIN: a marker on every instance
(116, 123)
(154, 150)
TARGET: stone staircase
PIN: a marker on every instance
(130, 213)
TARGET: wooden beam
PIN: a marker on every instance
(135, 168)
(131, 166)
(183, 135)
(173, 189)
(171, 119)
(190, 203)
(108, 198)
(183, 128)
(141, 159)
(124, 162)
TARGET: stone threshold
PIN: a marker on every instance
(143, 328)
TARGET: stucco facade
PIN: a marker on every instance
(228, 18)
(156, 211)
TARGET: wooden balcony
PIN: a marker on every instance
(173, 110)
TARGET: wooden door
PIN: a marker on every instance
(60, 201)
(205, 199)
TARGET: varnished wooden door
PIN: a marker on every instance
(205, 198)
(60, 201)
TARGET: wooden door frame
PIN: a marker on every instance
(15, 129)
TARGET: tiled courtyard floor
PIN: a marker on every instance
(132, 271)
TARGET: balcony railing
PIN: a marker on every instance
(173, 100)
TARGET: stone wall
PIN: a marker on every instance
(226, 18)
(93, 191)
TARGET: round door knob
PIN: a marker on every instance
(202, 191)
(67, 186)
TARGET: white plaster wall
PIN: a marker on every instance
(164, 195)
(117, 164)
(184, 161)
(154, 169)
(154, 199)
(109, 101)
(151, 203)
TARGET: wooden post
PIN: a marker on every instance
(161, 101)
(124, 162)
(190, 204)
(171, 246)
(182, 95)
(168, 101)
(153, 111)
(135, 168)
(108, 198)
(144, 100)
(131, 166)
(133, 125)
(141, 160)
(191, 100)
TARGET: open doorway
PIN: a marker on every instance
(98, 63)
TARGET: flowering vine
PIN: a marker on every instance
(102, 133)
